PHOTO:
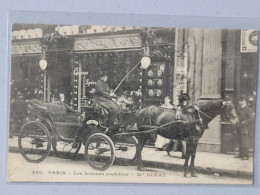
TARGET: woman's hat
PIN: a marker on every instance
(184, 96)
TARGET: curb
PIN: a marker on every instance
(169, 166)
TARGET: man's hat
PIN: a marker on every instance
(103, 73)
(228, 98)
(242, 97)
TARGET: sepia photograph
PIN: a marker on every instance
(131, 104)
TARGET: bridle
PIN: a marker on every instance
(208, 115)
(205, 114)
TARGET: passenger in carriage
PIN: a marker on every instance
(124, 101)
(61, 98)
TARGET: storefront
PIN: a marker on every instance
(239, 64)
(219, 64)
(208, 64)
(25, 71)
(117, 54)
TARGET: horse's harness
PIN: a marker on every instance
(177, 121)
(199, 111)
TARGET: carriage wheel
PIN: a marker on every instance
(125, 149)
(64, 149)
(99, 151)
(34, 142)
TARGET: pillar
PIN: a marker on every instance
(79, 84)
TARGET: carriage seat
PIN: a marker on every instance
(91, 104)
(58, 112)
(67, 129)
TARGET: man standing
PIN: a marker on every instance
(104, 96)
(18, 114)
(124, 101)
(246, 124)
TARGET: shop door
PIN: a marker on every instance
(116, 65)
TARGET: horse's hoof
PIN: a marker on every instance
(141, 169)
(186, 175)
(194, 174)
(133, 161)
(74, 157)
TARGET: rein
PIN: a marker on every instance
(153, 129)
(208, 116)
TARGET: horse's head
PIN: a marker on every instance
(210, 109)
(229, 112)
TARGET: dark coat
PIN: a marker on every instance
(103, 96)
(246, 118)
(102, 90)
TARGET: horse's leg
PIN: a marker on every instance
(193, 154)
(140, 145)
(77, 141)
(187, 157)
(183, 149)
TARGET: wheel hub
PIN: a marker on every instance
(38, 142)
(123, 148)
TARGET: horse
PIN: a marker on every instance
(194, 121)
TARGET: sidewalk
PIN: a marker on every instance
(206, 163)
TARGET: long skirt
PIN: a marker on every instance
(161, 141)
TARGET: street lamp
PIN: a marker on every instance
(145, 62)
(43, 66)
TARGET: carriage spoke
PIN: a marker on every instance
(64, 149)
(34, 142)
(99, 151)
(125, 149)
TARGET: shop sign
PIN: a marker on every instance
(249, 41)
(108, 42)
(77, 73)
(26, 48)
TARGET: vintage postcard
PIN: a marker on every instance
(130, 104)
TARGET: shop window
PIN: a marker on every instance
(155, 83)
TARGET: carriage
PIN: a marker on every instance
(65, 130)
